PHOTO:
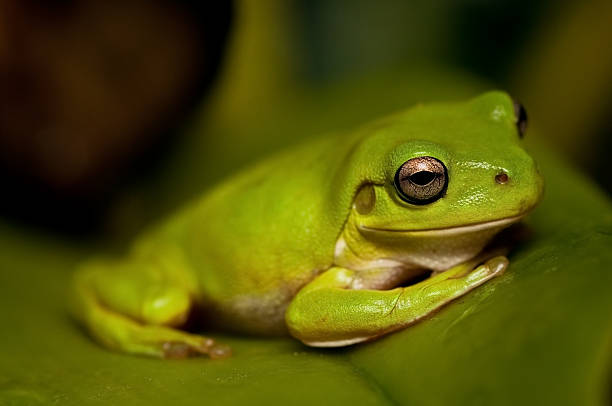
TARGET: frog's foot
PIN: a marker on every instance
(133, 312)
(328, 313)
(124, 334)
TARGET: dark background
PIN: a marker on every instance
(96, 97)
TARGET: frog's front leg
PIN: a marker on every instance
(133, 306)
(329, 313)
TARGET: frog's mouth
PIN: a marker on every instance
(449, 231)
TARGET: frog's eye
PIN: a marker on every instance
(520, 115)
(421, 180)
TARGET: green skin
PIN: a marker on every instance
(316, 241)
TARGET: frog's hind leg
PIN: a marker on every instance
(130, 307)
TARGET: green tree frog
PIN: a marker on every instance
(319, 241)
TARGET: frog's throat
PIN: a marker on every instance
(449, 231)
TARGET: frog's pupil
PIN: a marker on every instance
(422, 178)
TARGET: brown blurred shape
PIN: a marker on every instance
(87, 85)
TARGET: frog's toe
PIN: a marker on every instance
(195, 346)
(497, 265)
(220, 351)
(175, 350)
(492, 267)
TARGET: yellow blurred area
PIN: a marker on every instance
(565, 76)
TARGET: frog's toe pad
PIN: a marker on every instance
(181, 350)
(219, 351)
(497, 265)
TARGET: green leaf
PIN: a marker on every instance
(540, 334)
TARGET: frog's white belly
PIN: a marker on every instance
(361, 248)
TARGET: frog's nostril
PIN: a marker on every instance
(501, 178)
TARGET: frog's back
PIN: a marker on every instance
(258, 237)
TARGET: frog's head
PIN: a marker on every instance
(448, 170)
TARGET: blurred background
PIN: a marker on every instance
(114, 113)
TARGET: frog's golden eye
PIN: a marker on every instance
(421, 180)
(520, 115)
